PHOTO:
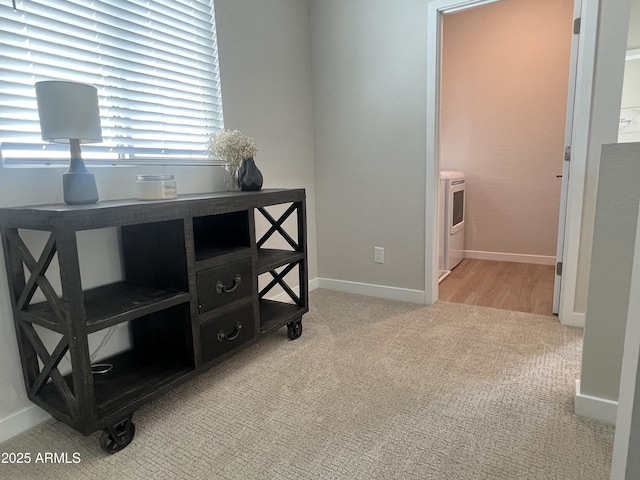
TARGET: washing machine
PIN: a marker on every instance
(454, 214)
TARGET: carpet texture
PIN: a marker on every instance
(374, 389)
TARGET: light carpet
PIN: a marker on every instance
(374, 389)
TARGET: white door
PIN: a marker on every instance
(564, 178)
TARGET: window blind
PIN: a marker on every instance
(154, 63)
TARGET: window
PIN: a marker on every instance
(154, 63)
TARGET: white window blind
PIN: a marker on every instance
(154, 63)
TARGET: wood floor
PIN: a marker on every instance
(520, 287)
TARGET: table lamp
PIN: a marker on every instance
(69, 113)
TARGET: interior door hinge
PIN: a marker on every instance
(559, 268)
(567, 154)
(576, 26)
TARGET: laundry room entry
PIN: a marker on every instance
(505, 73)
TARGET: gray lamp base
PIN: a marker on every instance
(79, 188)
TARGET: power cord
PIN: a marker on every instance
(101, 368)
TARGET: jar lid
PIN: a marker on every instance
(151, 178)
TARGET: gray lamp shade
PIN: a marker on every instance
(68, 110)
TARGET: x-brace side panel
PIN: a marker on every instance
(50, 366)
(37, 270)
(40, 366)
(276, 226)
(278, 279)
(295, 237)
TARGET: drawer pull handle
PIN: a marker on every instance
(236, 331)
(220, 288)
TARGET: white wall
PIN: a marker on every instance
(505, 76)
(264, 56)
(631, 99)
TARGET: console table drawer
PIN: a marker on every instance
(221, 285)
(226, 332)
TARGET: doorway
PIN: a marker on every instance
(504, 77)
(583, 54)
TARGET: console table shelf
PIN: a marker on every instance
(272, 314)
(270, 259)
(199, 285)
(109, 305)
(132, 378)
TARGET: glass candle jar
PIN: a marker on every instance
(156, 187)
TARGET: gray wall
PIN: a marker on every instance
(604, 329)
(625, 463)
(369, 119)
(264, 54)
(266, 89)
(616, 217)
(605, 116)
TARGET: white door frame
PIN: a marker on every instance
(583, 89)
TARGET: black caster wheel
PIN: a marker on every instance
(114, 439)
(294, 329)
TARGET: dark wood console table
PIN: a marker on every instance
(191, 296)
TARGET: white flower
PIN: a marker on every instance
(231, 146)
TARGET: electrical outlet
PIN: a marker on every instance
(378, 254)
